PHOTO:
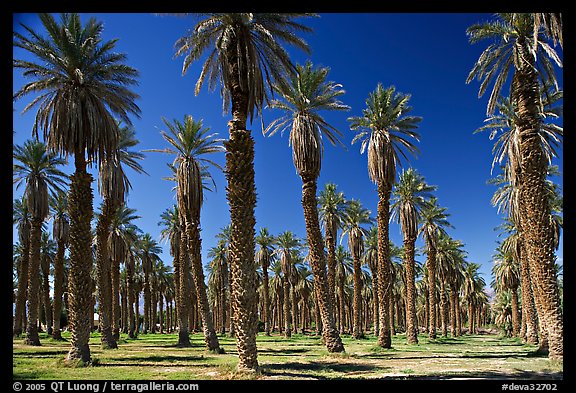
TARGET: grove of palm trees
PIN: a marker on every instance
(224, 239)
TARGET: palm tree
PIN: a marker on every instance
(303, 98)
(356, 216)
(148, 253)
(61, 233)
(219, 277)
(433, 221)
(386, 129)
(473, 287)
(332, 211)
(409, 199)
(246, 57)
(520, 49)
(81, 83)
(344, 269)
(36, 168)
(287, 244)
(190, 142)
(265, 242)
(21, 218)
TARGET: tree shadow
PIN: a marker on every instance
(282, 351)
(300, 369)
(41, 353)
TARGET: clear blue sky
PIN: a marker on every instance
(426, 55)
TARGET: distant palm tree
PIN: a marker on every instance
(386, 129)
(219, 278)
(61, 233)
(520, 49)
(307, 94)
(506, 273)
(473, 287)
(190, 142)
(332, 212)
(149, 251)
(370, 258)
(409, 199)
(265, 242)
(81, 82)
(21, 217)
(246, 57)
(344, 269)
(47, 254)
(356, 216)
(286, 244)
(37, 169)
(433, 222)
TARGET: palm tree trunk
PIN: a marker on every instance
(357, 327)
(194, 247)
(146, 268)
(431, 263)
(58, 283)
(384, 278)
(534, 202)
(124, 311)
(131, 292)
(287, 311)
(34, 282)
(331, 336)
(529, 316)
(20, 311)
(115, 292)
(515, 313)
(411, 327)
(103, 275)
(266, 300)
(241, 195)
(183, 309)
(79, 281)
(331, 260)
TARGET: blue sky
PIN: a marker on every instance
(426, 55)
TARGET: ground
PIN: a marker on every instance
(302, 357)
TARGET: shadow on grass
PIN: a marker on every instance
(473, 355)
(40, 353)
(518, 375)
(299, 369)
(269, 351)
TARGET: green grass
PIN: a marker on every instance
(155, 357)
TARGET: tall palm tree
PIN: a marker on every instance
(149, 251)
(265, 242)
(307, 94)
(219, 265)
(113, 185)
(246, 56)
(21, 218)
(81, 82)
(286, 244)
(433, 223)
(332, 211)
(344, 269)
(190, 142)
(522, 51)
(356, 216)
(473, 287)
(386, 129)
(37, 170)
(61, 233)
(409, 199)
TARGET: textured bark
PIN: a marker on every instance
(356, 326)
(58, 289)
(20, 311)
(384, 277)
(34, 283)
(375, 297)
(115, 280)
(265, 300)
(183, 309)
(79, 281)
(515, 313)
(431, 263)
(443, 309)
(535, 217)
(287, 308)
(411, 322)
(529, 316)
(241, 195)
(330, 240)
(103, 275)
(194, 245)
(331, 336)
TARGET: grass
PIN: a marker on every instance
(302, 357)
